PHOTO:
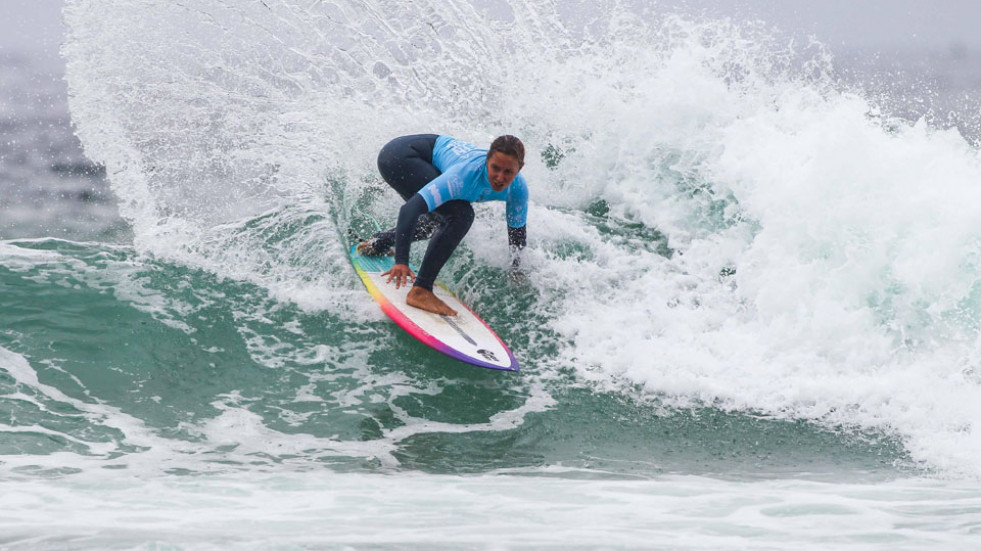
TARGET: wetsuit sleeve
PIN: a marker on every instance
(517, 238)
(517, 216)
(408, 215)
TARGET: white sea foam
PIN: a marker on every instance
(852, 237)
(323, 509)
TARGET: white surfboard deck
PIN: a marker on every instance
(464, 336)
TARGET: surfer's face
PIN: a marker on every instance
(501, 170)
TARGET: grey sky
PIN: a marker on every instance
(31, 24)
(879, 24)
(841, 24)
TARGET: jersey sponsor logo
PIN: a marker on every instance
(437, 196)
(456, 186)
(460, 148)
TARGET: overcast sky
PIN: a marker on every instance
(841, 24)
(33, 24)
(880, 24)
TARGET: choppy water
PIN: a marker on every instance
(750, 320)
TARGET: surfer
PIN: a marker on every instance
(439, 176)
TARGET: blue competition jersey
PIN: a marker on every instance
(464, 176)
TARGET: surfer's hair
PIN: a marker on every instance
(508, 145)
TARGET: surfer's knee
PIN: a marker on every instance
(468, 215)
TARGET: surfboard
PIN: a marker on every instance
(464, 337)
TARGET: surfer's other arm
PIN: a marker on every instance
(408, 216)
(517, 238)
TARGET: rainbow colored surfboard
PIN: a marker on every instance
(464, 337)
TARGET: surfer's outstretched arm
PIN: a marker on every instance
(408, 216)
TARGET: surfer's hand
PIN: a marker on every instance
(401, 273)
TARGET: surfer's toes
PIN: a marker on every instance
(441, 311)
(440, 308)
(367, 248)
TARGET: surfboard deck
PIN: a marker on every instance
(464, 337)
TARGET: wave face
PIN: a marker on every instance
(722, 240)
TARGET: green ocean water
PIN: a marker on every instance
(176, 348)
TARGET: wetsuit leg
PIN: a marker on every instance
(457, 218)
(425, 226)
(406, 164)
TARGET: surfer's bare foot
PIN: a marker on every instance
(424, 299)
(367, 248)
